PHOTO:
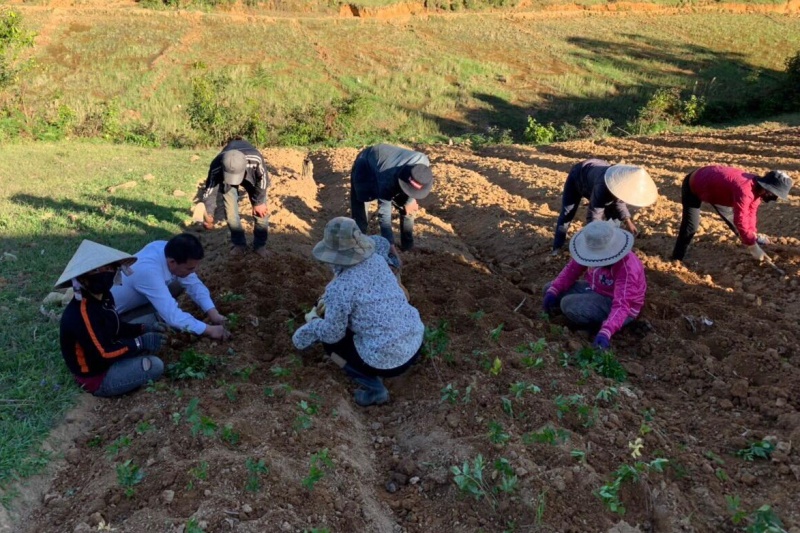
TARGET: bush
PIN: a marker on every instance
(536, 133)
(13, 39)
(664, 110)
(792, 83)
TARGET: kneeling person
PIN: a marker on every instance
(107, 357)
(369, 329)
(612, 294)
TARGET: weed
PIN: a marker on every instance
(13, 39)
(319, 461)
(255, 469)
(191, 365)
(128, 476)
(435, 342)
(546, 435)
(541, 506)
(494, 335)
(519, 388)
(601, 361)
(229, 435)
(756, 450)
(118, 445)
(449, 394)
(496, 433)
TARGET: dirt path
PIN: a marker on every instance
(717, 372)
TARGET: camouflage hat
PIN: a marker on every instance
(343, 243)
(234, 165)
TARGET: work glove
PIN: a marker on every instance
(321, 308)
(762, 239)
(311, 315)
(208, 222)
(756, 251)
(602, 342)
(550, 300)
(155, 327)
(150, 342)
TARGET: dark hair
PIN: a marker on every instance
(184, 247)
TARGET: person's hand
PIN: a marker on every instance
(762, 240)
(260, 211)
(217, 332)
(311, 315)
(756, 251)
(321, 308)
(215, 317)
(549, 303)
(631, 227)
(411, 207)
(601, 342)
(208, 222)
(151, 342)
(155, 327)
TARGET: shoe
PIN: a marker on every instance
(367, 397)
(263, 252)
(238, 250)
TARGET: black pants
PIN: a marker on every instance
(346, 348)
(690, 220)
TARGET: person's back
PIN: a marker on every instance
(726, 186)
(130, 294)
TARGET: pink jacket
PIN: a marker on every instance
(731, 187)
(624, 282)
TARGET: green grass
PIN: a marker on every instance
(420, 81)
(52, 195)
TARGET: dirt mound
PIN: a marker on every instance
(271, 440)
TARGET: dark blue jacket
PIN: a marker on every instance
(377, 170)
(255, 182)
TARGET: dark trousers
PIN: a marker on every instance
(260, 224)
(690, 220)
(570, 202)
(346, 349)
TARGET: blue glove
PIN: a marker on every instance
(601, 342)
(550, 301)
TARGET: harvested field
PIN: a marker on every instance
(719, 370)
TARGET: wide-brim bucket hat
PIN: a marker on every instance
(631, 184)
(343, 243)
(777, 182)
(91, 255)
(418, 181)
(600, 243)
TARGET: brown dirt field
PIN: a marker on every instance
(695, 396)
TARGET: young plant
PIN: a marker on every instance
(469, 479)
(229, 435)
(496, 433)
(319, 461)
(519, 388)
(602, 362)
(192, 526)
(449, 394)
(477, 315)
(199, 423)
(280, 372)
(756, 450)
(198, 473)
(191, 365)
(508, 407)
(609, 493)
(232, 321)
(494, 335)
(607, 394)
(128, 476)
(244, 373)
(497, 367)
(508, 480)
(229, 296)
(531, 349)
(546, 435)
(435, 342)
(255, 469)
(118, 445)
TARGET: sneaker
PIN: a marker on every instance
(238, 250)
(367, 397)
(263, 252)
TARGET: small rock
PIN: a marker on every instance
(739, 388)
(453, 420)
(247, 509)
(206, 493)
(749, 479)
(726, 404)
(72, 456)
(286, 526)
(167, 496)
(82, 527)
(635, 369)
(414, 480)
(391, 487)
(407, 467)
(376, 426)
(784, 446)
(50, 498)
(95, 519)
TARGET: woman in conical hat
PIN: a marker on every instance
(611, 295)
(106, 356)
(609, 188)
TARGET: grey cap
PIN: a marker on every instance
(777, 182)
(234, 165)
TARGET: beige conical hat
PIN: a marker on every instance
(632, 185)
(89, 256)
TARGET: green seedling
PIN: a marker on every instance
(280, 372)
(143, 427)
(255, 469)
(469, 479)
(546, 435)
(764, 520)
(228, 297)
(232, 321)
(497, 367)
(319, 461)
(609, 493)
(308, 408)
(95, 442)
(532, 348)
(644, 429)
(714, 457)
(496, 433)
(244, 373)
(508, 408)
(541, 506)
(269, 392)
(494, 335)
(231, 392)
(586, 414)
(467, 394)
(607, 394)
(477, 315)
(199, 423)
(756, 450)
(579, 455)
(191, 365)
(128, 476)
(721, 475)
(508, 480)
(602, 362)
(290, 325)
(118, 445)
(192, 526)
(449, 394)
(436, 341)
(198, 473)
(519, 388)
(302, 422)
(229, 435)
(734, 504)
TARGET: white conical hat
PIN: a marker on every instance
(89, 256)
(632, 185)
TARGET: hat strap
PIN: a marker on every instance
(76, 288)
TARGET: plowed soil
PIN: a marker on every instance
(713, 366)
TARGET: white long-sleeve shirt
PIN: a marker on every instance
(149, 284)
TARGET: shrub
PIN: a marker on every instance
(13, 39)
(536, 133)
(664, 110)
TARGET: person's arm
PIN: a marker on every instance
(566, 278)
(628, 288)
(333, 327)
(210, 190)
(157, 293)
(198, 292)
(129, 331)
(745, 212)
(104, 343)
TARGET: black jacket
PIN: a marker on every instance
(256, 178)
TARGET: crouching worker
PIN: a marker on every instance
(107, 357)
(369, 329)
(612, 293)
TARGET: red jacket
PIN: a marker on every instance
(624, 282)
(730, 187)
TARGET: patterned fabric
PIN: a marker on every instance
(366, 298)
(624, 282)
(730, 187)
